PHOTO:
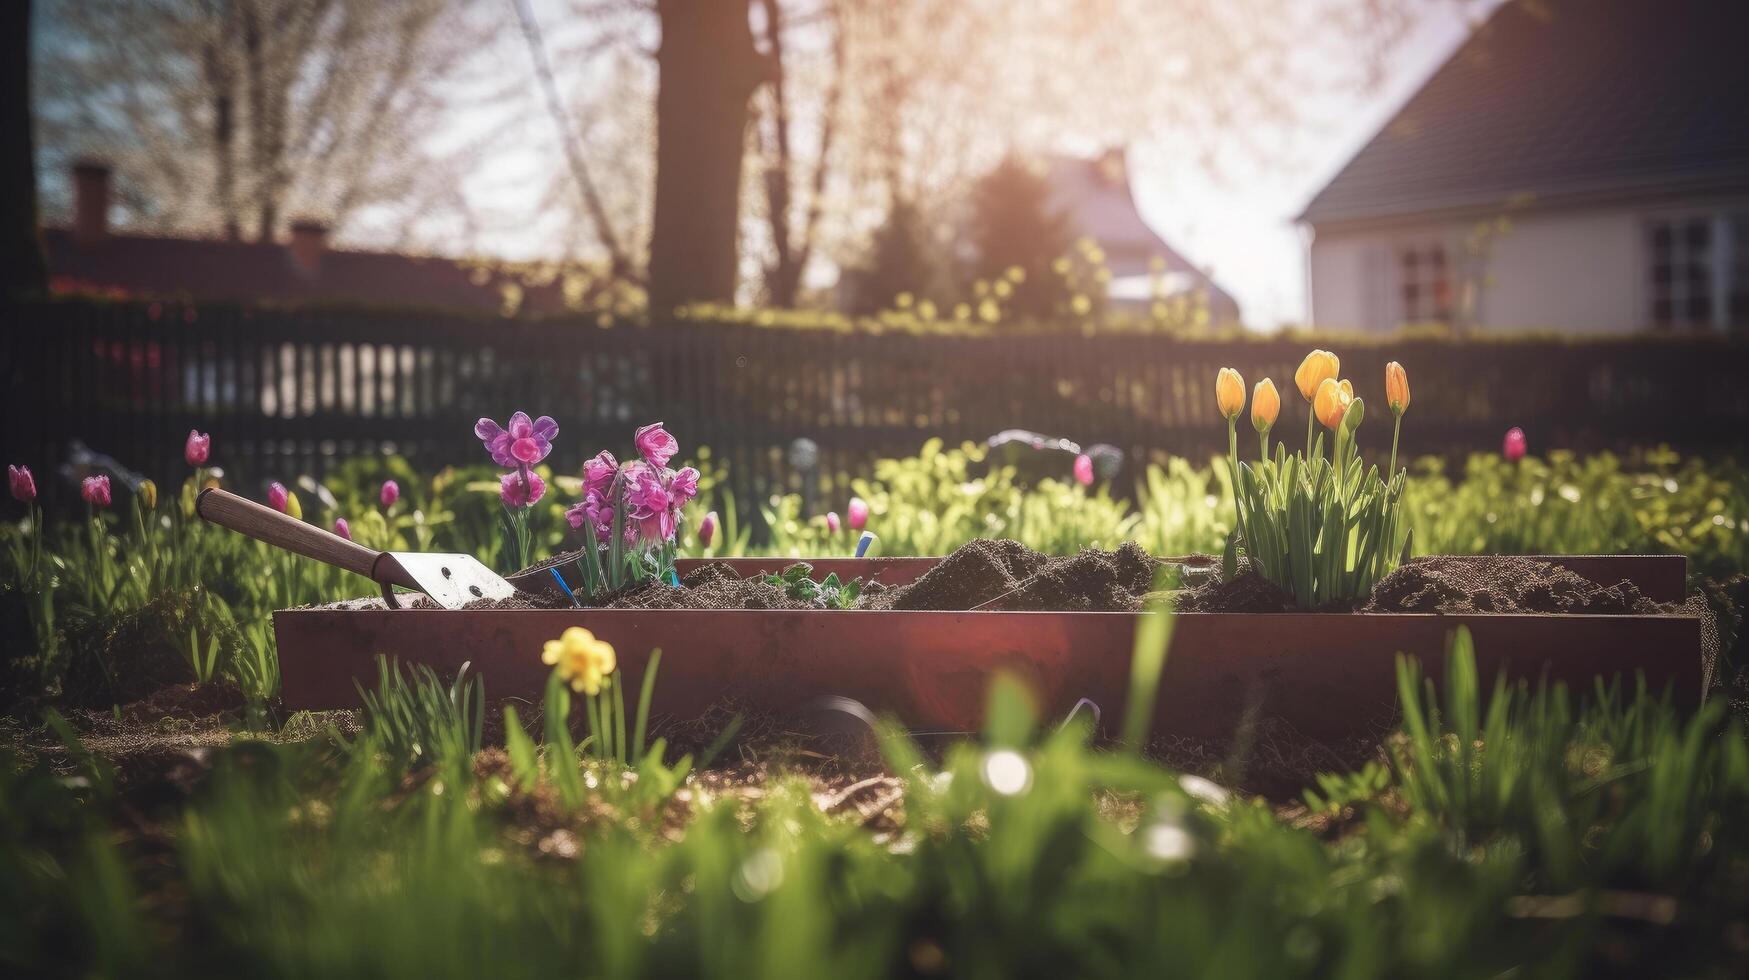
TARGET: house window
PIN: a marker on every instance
(1699, 271)
(1424, 278)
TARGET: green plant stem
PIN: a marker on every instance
(1233, 466)
(1263, 444)
(1396, 429)
(1311, 426)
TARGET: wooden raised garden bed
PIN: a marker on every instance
(1326, 674)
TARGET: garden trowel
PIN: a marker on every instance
(452, 581)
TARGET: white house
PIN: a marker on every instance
(1577, 165)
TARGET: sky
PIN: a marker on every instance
(1239, 223)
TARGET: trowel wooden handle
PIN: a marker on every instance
(226, 509)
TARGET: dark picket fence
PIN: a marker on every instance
(292, 392)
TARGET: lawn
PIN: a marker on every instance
(1512, 829)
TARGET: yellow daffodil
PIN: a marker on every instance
(1318, 365)
(1396, 388)
(1331, 402)
(1229, 393)
(1265, 405)
(580, 659)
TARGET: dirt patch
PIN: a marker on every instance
(975, 573)
(986, 574)
(1500, 584)
(131, 655)
(1246, 592)
(711, 586)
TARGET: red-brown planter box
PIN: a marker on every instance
(1325, 674)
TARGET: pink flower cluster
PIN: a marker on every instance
(652, 494)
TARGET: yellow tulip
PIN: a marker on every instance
(1332, 401)
(1265, 405)
(148, 493)
(1318, 365)
(580, 659)
(292, 507)
(1229, 393)
(1396, 388)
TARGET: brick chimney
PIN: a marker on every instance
(90, 202)
(309, 239)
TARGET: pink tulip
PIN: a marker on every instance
(1084, 470)
(276, 496)
(682, 487)
(645, 493)
(832, 524)
(521, 488)
(857, 512)
(707, 529)
(197, 448)
(342, 528)
(1514, 447)
(598, 473)
(95, 490)
(390, 493)
(655, 444)
(22, 483)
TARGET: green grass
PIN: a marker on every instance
(1531, 833)
(1501, 830)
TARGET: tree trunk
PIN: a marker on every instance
(707, 70)
(22, 268)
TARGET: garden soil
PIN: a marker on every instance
(984, 574)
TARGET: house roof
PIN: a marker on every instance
(1564, 101)
(211, 269)
(1095, 195)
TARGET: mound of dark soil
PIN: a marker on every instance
(1245, 592)
(976, 573)
(134, 654)
(1499, 584)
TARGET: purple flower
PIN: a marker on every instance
(342, 528)
(832, 524)
(277, 496)
(656, 445)
(645, 493)
(521, 488)
(22, 483)
(858, 513)
(598, 473)
(1514, 446)
(390, 493)
(197, 448)
(1084, 470)
(656, 528)
(683, 487)
(95, 490)
(521, 443)
(707, 529)
(576, 514)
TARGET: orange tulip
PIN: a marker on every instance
(1332, 401)
(1318, 365)
(1229, 393)
(1396, 388)
(1265, 405)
